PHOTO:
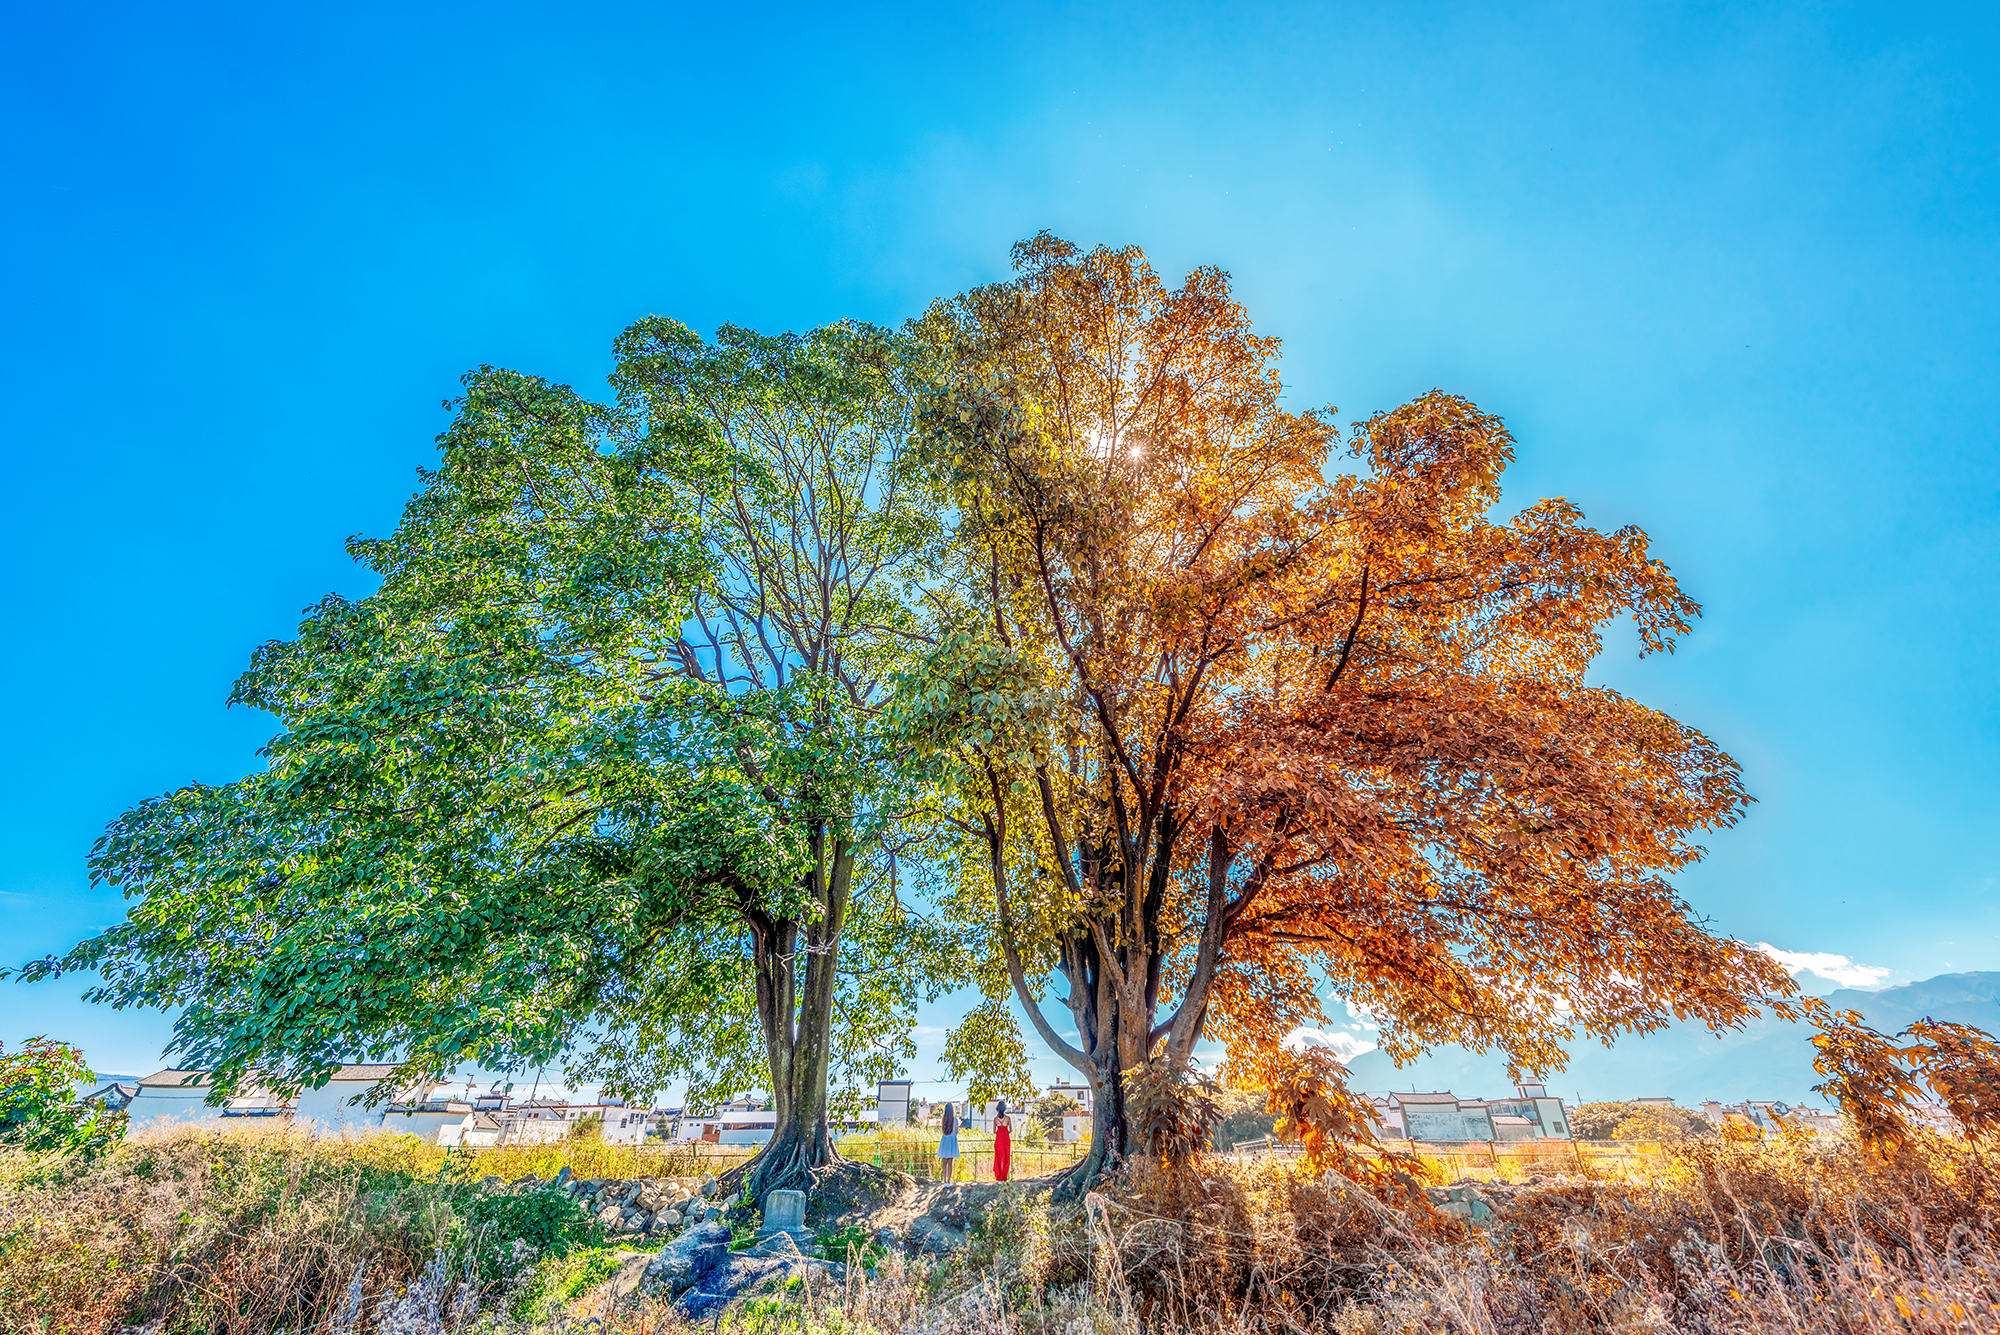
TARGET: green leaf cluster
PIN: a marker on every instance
(40, 1089)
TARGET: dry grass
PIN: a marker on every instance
(236, 1237)
(914, 1151)
(269, 1230)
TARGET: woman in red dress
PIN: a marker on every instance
(1003, 1143)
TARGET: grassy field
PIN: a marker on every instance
(915, 1152)
(234, 1235)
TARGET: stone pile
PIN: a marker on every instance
(661, 1206)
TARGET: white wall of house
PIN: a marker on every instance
(1447, 1121)
(1081, 1093)
(428, 1123)
(337, 1107)
(163, 1102)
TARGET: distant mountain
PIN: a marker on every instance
(1768, 1059)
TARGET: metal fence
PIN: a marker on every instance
(1495, 1161)
(1517, 1161)
(919, 1158)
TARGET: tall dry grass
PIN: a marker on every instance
(275, 1229)
(229, 1236)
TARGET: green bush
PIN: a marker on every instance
(837, 1243)
(39, 1110)
(552, 1222)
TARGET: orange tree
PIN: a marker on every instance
(1222, 726)
(1878, 1081)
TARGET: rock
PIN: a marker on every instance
(746, 1273)
(778, 1244)
(934, 1237)
(563, 1178)
(1462, 1199)
(530, 1181)
(609, 1217)
(682, 1263)
(631, 1273)
(942, 1241)
(711, 1213)
(490, 1182)
(708, 1185)
(667, 1219)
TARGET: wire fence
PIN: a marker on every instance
(1509, 1161)
(1503, 1161)
(918, 1156)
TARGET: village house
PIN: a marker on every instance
(741, 1121)
(443, 1114)
(1442, 1115)
(171, 1098)
(114, 1097)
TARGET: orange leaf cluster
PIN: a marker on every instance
(1293, 726)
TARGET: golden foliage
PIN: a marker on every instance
(1875, 1080)
(1237, 724)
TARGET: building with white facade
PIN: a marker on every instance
(446, 1114)
(1766, 1116)
(171, 1098)
(742, 1121)
(1442, 1115)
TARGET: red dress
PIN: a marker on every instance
(1003, 1148)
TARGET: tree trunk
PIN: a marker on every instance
(796, 977)
(1107, 1131)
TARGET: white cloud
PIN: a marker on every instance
(1344, 1046)
(1361, 1017)
(1834, 968)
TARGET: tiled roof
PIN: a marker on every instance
(1427, 1098)
(372, 1072)
(175, 1079)
(1508, 1119)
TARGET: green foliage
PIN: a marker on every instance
(986, 1052)
(552, 1222)
(853, 1244)
(1636, 1121)
(39, 1108)
(593, 767)
(559, 1278)
(1050, 1109)
(1245, 1116)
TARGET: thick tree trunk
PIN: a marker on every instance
(1108, 1132)
(796, 977)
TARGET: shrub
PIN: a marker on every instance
(39, 1110)
(1636, 1121)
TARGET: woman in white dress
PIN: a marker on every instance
(948, 1147)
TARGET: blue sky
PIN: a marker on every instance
(1728, 272)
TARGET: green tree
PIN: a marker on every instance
(985, 1051)
(39, 1101)
(1636, 1121)
(1245, 1116)
(595, 773)
(1050, 1110)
